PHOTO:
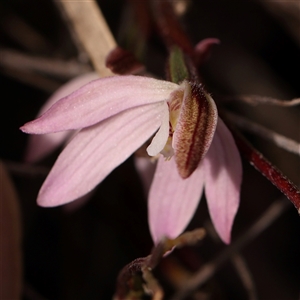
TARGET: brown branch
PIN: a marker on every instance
(92, 30)
(22, 33)
(239, 263)
(245, 275)
(35, 80)
(26, 169)
(169, 27)
(82, 55)
(209, 269)
(129, 276)
(48, 66)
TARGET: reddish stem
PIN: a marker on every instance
(169, 28)
(288, 188)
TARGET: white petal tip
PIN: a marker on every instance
(24, 128)
(151, 151)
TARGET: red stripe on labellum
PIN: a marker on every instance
(195, 128)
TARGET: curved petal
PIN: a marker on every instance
(41, 145)
(160, 139)
(94, 152)
(99, 100)
(223, 175)
(68, 88)
(172, 200)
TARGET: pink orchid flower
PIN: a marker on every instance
(117, 115)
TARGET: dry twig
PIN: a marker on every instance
(256, 100)
(278, 139)
(26, 169)
(245, 275)
(55, 67)
(239, 263)
(86, 17)
(35, 80)
(22, 33)
(210, 268)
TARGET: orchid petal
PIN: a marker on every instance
(41, 145)
(159, 140)
(223, 174)
(99, 100)
(172, 200)
(68, 88)
(95, 151)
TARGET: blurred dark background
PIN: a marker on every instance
(77, 254)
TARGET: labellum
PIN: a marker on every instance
(193, 123)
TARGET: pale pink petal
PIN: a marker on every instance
(223, 175)
(68, 88)
(160, 139)
(172, 200)
(41, 145)
(95, 151)
(99, 100)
